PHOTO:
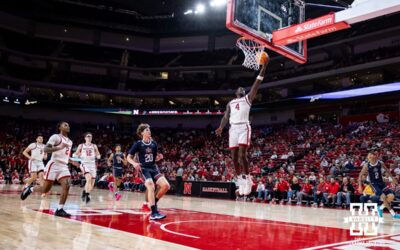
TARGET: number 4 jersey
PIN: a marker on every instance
(147, 153)
(240, 110)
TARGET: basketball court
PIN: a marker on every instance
(192, 223)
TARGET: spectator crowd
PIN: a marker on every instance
(311, 164)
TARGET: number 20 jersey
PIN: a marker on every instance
(147, 153)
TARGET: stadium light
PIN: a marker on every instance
(217, 3)
(188, 12)
(6, 99)
(200, 8)
(16, 101)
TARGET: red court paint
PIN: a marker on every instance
(214, 231)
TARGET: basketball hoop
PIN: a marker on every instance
(252, 52)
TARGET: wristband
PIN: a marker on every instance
(260, 78)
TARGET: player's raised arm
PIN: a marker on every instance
(256, 85)
(363, 173)
(224, 120)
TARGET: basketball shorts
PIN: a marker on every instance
(36, 166)
(117, 172)
(89, 168)
(239, 135)
(56, 171)
(151, 173)
(381, 188)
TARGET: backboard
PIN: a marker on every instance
(258, 19)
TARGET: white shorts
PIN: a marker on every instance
(89, 168)
(239, 135)
(56, 171)
(35, 166)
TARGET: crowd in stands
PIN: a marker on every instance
(289, 163)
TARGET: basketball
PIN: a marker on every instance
(262, 57)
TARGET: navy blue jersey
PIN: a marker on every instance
(118, 163)
(147, 153)
(375, 173)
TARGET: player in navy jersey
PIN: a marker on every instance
(117, 160)
(147, 155)
(373, 168)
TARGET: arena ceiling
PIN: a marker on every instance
(153, 17)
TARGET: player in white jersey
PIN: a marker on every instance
(36, 157)
(237, 113)
(88, 153)
(59, 145)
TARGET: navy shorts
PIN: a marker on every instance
(380, 188)
(117, 172)
(151, 173)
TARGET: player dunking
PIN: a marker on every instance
(36, 157)
(57, 168)
(373, 168)
(118, 161)
(88, 153)
(237, 113)
(147, 151)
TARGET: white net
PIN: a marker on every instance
(252, 52)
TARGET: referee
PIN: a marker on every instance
(179, 181)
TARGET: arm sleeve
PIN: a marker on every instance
(54, 140)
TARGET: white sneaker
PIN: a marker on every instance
(241, 183)
(248, 185)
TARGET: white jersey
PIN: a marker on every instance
(240, 110)
(37, 151)
(88, 153)
(62, 155)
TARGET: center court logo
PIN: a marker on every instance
(364, 219)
